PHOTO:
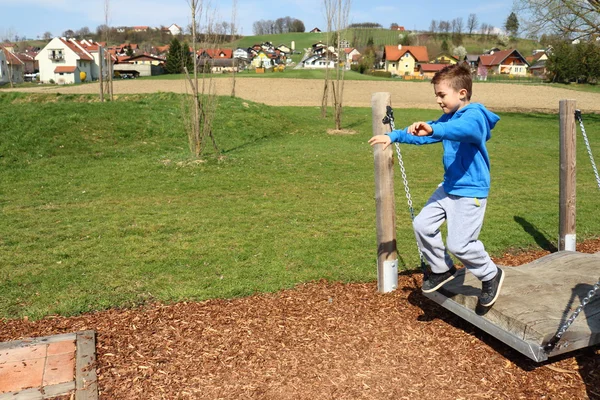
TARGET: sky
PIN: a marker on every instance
(32, 18)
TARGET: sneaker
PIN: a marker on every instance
(436, 281)
(491, 289)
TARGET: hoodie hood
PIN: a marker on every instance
(490, 118)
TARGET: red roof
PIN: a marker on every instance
(432, 67)
(217, 53)
(393, 53)
(83, 55)
(68, 70)
(497, 58)
(11, 58)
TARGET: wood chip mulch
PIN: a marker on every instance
(318, 341)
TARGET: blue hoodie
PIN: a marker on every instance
(463, 135)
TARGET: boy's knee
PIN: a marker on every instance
(421, 228)
(456, 247)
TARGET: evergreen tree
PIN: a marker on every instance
(187, 57)
(445, 46)
(512, 24)
(174, 65)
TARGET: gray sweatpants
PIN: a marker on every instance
(464, 216)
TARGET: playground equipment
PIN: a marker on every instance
(541, 315)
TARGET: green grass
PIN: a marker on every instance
(103, 207)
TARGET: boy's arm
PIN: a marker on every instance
(402, 136)
(468, 128)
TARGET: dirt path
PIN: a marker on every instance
(307, 92)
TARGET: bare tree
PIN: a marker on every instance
(233, 33)
(341, 24)
(199, 112)
(109, 68)
(472, 23)
(574, 19)
(433, 27)
(329, 9)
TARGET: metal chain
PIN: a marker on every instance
(561, 331)
(389, 119)
(587, 145)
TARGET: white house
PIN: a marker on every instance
(63, 61)
(174, 29)
(3, 69)
(240, 53)
(318, 61)
(11, 67)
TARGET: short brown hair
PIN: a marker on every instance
(457, 76)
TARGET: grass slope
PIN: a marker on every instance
(102, 206)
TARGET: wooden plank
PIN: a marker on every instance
(537, 298)
(39, 340)
(86, 384)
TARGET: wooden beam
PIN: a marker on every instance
(387, 257)
(567, 182)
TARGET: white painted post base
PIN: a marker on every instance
(388, 278)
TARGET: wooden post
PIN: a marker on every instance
(567, 182)
(387, 258)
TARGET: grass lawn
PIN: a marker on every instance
(103, 207)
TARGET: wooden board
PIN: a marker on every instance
(536, 299)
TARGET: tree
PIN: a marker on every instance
(69, 33)
(83, 32)
(512, 24)
(573, 19)
(174, 65)
(472, 23)
(433, 27)
(47, 35)
(187, 59)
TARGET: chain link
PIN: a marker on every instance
(389, 119)
(587, 145)
(567, 324)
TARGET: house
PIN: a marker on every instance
(315, 30)
(262, 60)
(284, 49)
(429, 70)
(505, 62)
(404, 60)
(397, 28)
(352, 56)
(219, 65)
(318, 61)
(175, 29)
(140, 65)
(140, 28)
(444, 58)
(215, 53)
(240, 53)
(29, 62)
(63, 61)
(12, 68)
(537, 63)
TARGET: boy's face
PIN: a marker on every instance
(448, 98)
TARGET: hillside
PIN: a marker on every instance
(474, 44)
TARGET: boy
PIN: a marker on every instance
(461, 198)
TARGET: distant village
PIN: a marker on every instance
(67, 60)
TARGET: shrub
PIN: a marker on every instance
(384, 74)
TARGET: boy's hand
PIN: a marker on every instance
(380, 139)
(420, 129)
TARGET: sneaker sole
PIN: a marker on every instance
(497, 291)
(439, 285)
